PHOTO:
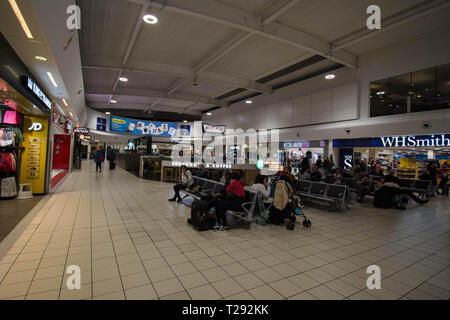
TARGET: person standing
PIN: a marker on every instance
(112, 159)
(307, 161)
(99, 158)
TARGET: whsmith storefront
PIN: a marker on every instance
(409, 155)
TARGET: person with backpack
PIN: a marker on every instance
(99, 158)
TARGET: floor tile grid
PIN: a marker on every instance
(139, 199)
(36, 232)
(238, 240)
(371, 249)
(406, 249)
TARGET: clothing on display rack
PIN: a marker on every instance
(10, 136)
(7, 162)
(8, 187)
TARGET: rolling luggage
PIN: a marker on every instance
(199, 215)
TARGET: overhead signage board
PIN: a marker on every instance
(141, 127)
(436, 140)
(82, 130)
(219, 129)
(101, 124)
(38, 92)
(296, 144)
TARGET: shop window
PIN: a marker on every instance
(418, 91)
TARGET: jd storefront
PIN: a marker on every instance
(409, 155)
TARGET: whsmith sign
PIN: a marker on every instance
(436, 140)
(413, 141)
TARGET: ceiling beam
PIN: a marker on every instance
(135, 33)
(414, 12)
(280, 8)
(233, 17)
(136, 92)
(109, 63)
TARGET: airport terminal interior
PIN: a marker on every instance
(224, 150)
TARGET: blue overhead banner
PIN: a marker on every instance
(141, 127)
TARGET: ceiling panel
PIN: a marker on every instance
(147, 80)
(403, 32)
(106, 26)
(253, 6)
(254, 57)
(202, 89)
(97, 77)
(179, 39)
(330, 20)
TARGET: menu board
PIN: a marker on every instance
(141, 127)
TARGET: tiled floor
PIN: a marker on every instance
(12, 212)
(131, 243)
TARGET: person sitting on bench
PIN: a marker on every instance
(186, 182)
(235, 197)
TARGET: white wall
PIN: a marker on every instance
(330, 104)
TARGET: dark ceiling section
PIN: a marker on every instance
(153, 116)
(273, 76)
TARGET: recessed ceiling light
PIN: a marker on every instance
(40, 58)
(330, 76)
(21, 19)
(107, 112)
(65, 102)
(52, 79)
(380, 93)
(113, 101)
(209, 114)
(149, 18)
(123, 79)
(248, 101)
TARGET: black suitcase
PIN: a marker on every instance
(199, 215)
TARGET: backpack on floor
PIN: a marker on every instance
(400, 201)
(199, 215)
(383, 198)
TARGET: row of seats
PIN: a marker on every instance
(253, 206)
(335, 196)
(420, 186)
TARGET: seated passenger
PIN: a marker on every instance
(201, 172)
(235, 197)
(316, 175)
(304, 174)
(262, 187)
(290, 176)
(363, 184)
(186, 182)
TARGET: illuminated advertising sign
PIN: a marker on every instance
(208, 128)
(38, 92)
(82, 130)
(296, 144)
(141, 127)
(413, 141)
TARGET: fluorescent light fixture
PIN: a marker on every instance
(71, 114)
(248, 101)
(52, 79)
(40, 58)
(107, 112)
(113, 101)
(151, 19)
(21, 19)
(209, 114)
(65, 102)
(380, 93)
(185, 121)
(123, 79)
(12, 71)
(330, 76)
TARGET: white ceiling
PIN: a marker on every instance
(220, 45)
